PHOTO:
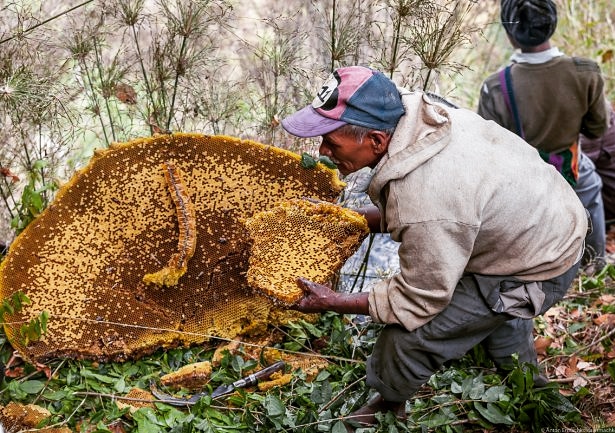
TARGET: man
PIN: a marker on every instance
(556, 98)
(485, 243)
(601, 151)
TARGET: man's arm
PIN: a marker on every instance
(319, 298)
(372, 215)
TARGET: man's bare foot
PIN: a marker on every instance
(366, 415)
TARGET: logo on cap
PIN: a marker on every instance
(327, 97)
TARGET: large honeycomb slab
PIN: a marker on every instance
(86, 258)
(299, 238)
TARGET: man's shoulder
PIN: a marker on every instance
(583, 64)
(492, 81)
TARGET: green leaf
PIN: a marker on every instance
(39, 163)
(493, 414)
(473, 388)
(274, 406)
(611, 369)
(120, 385)
(99, 377)
(32, 386)
(494, 393)
(437, 419)
(313, 330)
(307, 160)
(322, 375)
(146, 421)
(339, 427)
(326, 161)
(43, 319)
(56, 395)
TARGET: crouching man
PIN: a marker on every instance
(486, 242)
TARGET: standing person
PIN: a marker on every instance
(549, 98)
(490, 236)
(601, 151)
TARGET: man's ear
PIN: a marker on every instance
(379, 141)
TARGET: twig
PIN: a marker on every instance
(341, 393)
(587, 347)
(588, 378)
(29, 29)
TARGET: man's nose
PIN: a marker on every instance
(324, 150)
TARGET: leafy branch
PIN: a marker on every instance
(30, 331)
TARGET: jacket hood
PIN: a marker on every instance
(420, 134)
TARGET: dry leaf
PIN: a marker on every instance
(583, 365)
(126, 94)
(542, 344)
(7, 173)
(579, 382)
(571, 369)
(560, 371)
(604, 300)
(275, 122)
(607, 320)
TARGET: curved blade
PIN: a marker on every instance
(174, 401)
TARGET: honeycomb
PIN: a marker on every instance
(135, 400)
(17, 417)
(106, 259)
(277, 379)
(191, 376)
(299, 238)
(311, 365)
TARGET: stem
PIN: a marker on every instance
(434, 54)
(333, 16)
(362, 272)
(95, 101)
(176, 84)
(29, 29)
(396, 40)
(425, 86)
(5, 197)
(147, 85)
(42, 169)
(103, 85)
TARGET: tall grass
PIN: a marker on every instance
(78, 76)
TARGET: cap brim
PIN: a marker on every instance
(308, 123)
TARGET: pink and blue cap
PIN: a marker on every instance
(352, 95)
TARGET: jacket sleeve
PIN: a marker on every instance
(491, 104)
(596, 120)
(433, 256)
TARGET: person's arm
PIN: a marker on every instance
(319, 298)
(372, 215)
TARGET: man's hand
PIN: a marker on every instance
(319, 298)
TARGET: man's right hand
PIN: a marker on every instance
(319, 298)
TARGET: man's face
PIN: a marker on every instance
(351, 155)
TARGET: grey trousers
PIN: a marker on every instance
(402, 361)
(589, 191)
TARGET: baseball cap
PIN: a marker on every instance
(529, 22)
(353, 95)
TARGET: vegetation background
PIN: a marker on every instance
(78, 75)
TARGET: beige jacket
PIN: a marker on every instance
(464, 195)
